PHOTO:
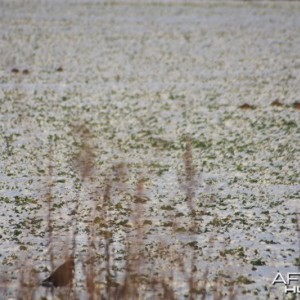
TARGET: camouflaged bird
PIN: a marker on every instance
(62, 276)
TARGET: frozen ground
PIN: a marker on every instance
(142, 76)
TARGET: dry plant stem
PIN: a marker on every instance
(84, 159)
(49, 199)
(231, 291)
(89, 269)
(28, 284)
(84, 163)
(4, 283)
(75, 222)
(192, 280)
(138, 225)
(204, 285)
(189, 172)
(190, 187)
(107, 202)
(218, 291)
(75, 230)
(298, 237)
(134, 260)
(168, 288)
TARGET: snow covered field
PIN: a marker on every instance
(142, 76)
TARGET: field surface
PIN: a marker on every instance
(150, 87)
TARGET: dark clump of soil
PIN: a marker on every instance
(25, 72)
(296, 105)
(246, 106)
(59, 69)
(15, 70)
(276, 103)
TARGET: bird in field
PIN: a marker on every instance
(62, 276)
